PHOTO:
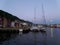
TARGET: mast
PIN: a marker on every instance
(34, 14)
(43, 13)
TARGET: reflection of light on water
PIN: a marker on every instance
(20, 33)
(51, 32)
(51, 26)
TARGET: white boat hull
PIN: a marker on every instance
(20, 30)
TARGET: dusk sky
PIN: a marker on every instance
(24, 9)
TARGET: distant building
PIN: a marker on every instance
(1, 22)
(5, 22)
(24, 24)
(12, 24)
(9, 21)
(58, 25)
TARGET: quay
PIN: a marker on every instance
(9, 28)
(14, 29)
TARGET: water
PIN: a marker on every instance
(50, 37)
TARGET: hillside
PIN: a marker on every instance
(11, 17)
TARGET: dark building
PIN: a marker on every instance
(10, 21)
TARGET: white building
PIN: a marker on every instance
(12, 24)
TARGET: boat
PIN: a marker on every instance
(43, 29)
(20, 30)
(34, 29)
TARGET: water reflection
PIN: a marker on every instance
(50, 37)
(20, 33)
(7, 36)
(40, 38)
(52, 32)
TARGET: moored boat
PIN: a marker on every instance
(20, 30)
(34, 29)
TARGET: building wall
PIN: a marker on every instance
(9, 23)
(1, 22)
(4, 22)
(13, 24)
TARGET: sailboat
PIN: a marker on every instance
(43, 29)
(34, 27)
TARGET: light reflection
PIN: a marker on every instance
(20, 33)
(52, 35)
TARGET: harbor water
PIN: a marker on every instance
(50, 37)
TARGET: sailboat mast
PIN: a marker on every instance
(34, 15)
(43, 13)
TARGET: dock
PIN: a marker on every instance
(9, 28)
